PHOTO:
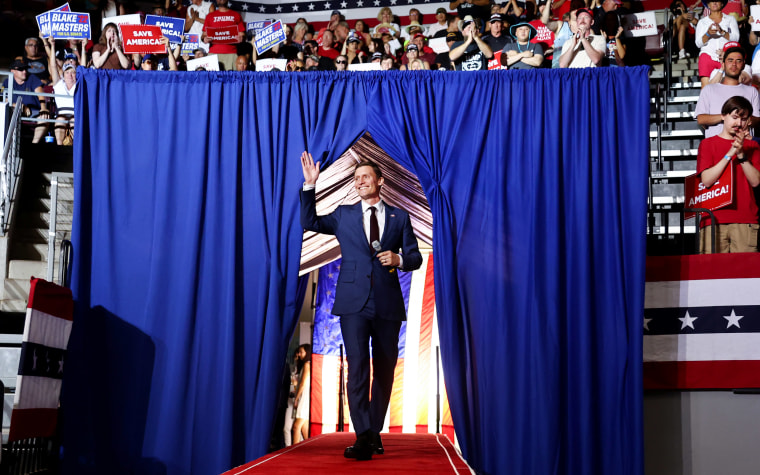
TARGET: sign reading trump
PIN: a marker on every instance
(142, 39)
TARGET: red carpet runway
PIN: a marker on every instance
(404, 453)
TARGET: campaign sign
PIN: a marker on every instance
(191, 43)
(365, 67)
(43, 22)
(257, 25)
(495, 62)
(639, 24)
(172, 28)
(271, 64)
(754, 12)
(206, 63)
(142, 39)
(270, 36)
(70, 25)
(438, 45)
(131, 19)
(227, 35)
(43, 19)
(697, 195)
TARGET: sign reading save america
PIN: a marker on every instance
(227, 35)
(720, 194)
(142, 39)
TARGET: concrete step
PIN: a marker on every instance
(13, 305)
(675, 115)
(675, 153)
(30, 251)
(16, 289)
(686, 99)
(673, 173)
(678, 134)
(23, 269)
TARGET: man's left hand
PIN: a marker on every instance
(389, 259)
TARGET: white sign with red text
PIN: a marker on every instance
(754, 12)
(639, 24)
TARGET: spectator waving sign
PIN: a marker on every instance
(142, 39)
(172, 28)
(270, 36)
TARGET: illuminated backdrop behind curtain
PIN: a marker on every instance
(187, 240)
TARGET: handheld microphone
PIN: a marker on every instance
(377, 248)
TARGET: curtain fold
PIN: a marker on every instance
(187, 212)
(537, 185)
(187, 241)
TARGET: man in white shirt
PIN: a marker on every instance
(713, 96)
(583, 50)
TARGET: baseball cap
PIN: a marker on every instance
(19, 65)
(454, 36)
(412, 46)
(583, 10)
(733, 47)
(377, 55)
(441, 10)
(68, 66)
(496, 17)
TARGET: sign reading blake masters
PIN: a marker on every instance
(72, 26)
(270, 36)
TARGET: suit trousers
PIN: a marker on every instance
(357, 329)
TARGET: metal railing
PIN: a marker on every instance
(10, 165)
(59, 183)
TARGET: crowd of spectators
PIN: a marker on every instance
(478, 35)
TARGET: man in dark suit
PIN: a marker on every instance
(368, 294)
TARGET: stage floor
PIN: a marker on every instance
(404, 453)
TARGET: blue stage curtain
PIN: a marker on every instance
(187, 243)
(537, 181)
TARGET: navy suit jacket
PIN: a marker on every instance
(359, 269)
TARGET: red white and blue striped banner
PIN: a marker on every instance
(49, 317)
(318, 12)
(702, 322)
(413, 406)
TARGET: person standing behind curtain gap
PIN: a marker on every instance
(368, 295)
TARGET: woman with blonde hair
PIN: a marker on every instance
(386, 25)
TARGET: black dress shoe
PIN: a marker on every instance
(377, 444)
(361, 450)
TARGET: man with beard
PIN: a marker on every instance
(583, 49)
(732, 147)
(713, 96)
